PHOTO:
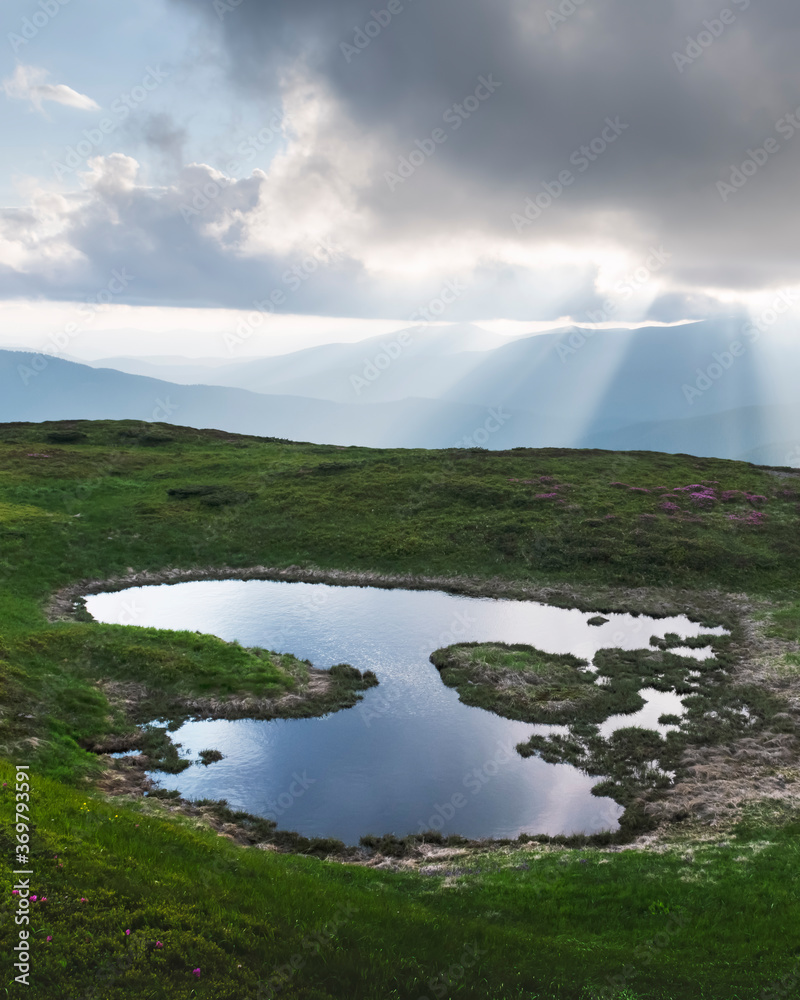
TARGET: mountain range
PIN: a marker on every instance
(700, 388)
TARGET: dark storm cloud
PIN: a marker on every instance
(521, 139)
(692, 111)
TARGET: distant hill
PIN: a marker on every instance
(66, 390)
(613, 389)
(745, 433)
(612, 377)
(423, 362)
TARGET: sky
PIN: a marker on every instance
(337, 169)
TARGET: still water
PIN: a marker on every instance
(409, 757)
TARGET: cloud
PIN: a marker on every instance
(27, 84)
(690, 119)
(210, 240)
(597, 131)
(159, 132)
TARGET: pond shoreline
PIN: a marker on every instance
(126, 778)
(715, 783)
(709, 608)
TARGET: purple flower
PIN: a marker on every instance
(128, 932)
(196, 972)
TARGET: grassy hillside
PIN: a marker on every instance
(643, 531)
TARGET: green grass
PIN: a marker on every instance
(524, 683)
(521, 682)
(530, 923)
(659, 926)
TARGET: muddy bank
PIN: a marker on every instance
(710, 608)
(319, 692)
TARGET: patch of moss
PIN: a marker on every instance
(519, 681)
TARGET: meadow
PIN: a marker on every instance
(139, 898)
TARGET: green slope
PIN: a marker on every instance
(699, 918)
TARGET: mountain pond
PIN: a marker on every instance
(410, 756)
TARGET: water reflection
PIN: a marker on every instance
(409, 757)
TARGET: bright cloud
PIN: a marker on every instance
(27, 83)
